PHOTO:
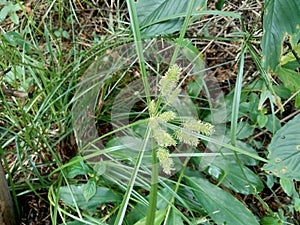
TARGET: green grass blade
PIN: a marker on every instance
(182, 32)
(124, 204)
(139, 46)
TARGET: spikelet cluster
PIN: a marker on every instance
(164, 160)
(199, 127)
(186, 137)
(152, 108)
(163, 139)
(169, 81)
(186, 134)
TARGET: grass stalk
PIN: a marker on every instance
(153, 191)
(236, 101)
(139, 45)
(182, 32)
(124, 204)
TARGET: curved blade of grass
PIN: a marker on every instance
(236, 101)
(182, 32)
(235, 113)
(124, 204)
(139, 46)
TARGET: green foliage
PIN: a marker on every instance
(276, 30)
(290, 79)
(284, 151)
(189, 165)
(161, 17)
(214, 200)
(159, 218)
(235, 178)
(10, 9)
(73, 195)
(276, 33)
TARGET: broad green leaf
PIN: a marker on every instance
(282, 91)
(100, 168)
(244, 130)
(297, 204)
(233, 178)
(174, 218)
(138, 212)
(284, 151)
(246, 160)
(273, 123)
(163, 202)
(269, 220)
(89, 189)
(14, 18)
(288, 58)
(102, 195)
(15, 39)
(287, 185)
(159, 218)
(149, 11)
(281, 19)
(3, 13)
(262, 120)
(291, 80)
(77, 167)
(271, 179)
(222, 207)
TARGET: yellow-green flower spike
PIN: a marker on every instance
(166, 116)
(152, 108)
(206, 128)
(162, 138)
(186, 138)
(165, 161)
(199, 127)
(169, 81)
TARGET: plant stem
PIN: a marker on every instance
(123, 206)
(153, 191)
(139, 49)
(176, 188)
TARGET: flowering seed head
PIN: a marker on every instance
(166, 116)
(165, 161)
(169, 81)
(206, 128)
(162, 138)
(186, 138)
(199, 127)
(152, 108)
